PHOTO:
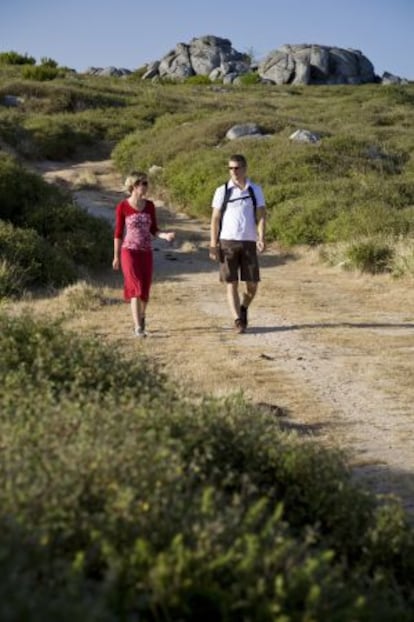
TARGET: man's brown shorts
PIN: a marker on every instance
(238, 260)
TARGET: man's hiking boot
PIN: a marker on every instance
(243, 316)
(239, 326)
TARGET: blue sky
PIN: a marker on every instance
(130, 33)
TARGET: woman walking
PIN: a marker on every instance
(135, 225)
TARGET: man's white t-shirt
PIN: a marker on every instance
(239, 217)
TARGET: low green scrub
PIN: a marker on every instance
(87, 240)
(32, 260)
(14, 58)
(45, 239)
(122, 499)
(370, 256)
(83, 296)
(21, 191)
(249, 78)
(40, 72)
(390, 254)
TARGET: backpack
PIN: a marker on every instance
(227, 199)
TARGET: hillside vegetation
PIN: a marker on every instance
(356, 186)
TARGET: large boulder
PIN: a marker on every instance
(204, 56)
(316, 64)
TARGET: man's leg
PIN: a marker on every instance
(233, 299)
(248, 295)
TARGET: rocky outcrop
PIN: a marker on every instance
(108, 71)
(215, 58)
(203, 56)
(316, 64)
(390, 78)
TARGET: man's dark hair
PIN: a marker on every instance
(237, 157)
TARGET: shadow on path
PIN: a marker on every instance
(257, 330)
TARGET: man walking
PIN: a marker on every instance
(237, 233)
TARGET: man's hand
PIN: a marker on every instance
(213, 253)
(260, 245)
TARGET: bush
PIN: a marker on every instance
(83, 296)
(14, 58)
(87, 240)
(40, 72)
(198, 79)
(21, 190)
(252, 77)
(33, 259)
(371, 256)
(12, 279)
(56, 139)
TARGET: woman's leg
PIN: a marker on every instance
(135, 312)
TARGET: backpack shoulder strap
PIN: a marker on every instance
(254, 201)
(226, 198)
(252, 196)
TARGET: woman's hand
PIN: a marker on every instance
(115, 263)
(169, 236)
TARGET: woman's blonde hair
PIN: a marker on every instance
(133, 179)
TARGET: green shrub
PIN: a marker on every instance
(48, 62)
(53, 139)
(83, 296)
(370, 256)
(12, 279)
(14, 58)
(35, 261)
(247, 79)
(87, 240)
(21, 190)
(41, 354)
(198, 79)
(40, 72)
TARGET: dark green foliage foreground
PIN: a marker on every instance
(121, 500)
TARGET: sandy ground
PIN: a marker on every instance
(331, 353)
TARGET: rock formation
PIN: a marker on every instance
(216, 58)
(316, 64)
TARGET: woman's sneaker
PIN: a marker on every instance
(140, 331)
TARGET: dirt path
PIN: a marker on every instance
(330, 352)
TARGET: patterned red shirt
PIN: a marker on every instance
(138, 226)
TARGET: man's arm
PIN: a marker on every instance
(214, 233)
(261, 228)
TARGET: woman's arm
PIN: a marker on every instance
(117, 251)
